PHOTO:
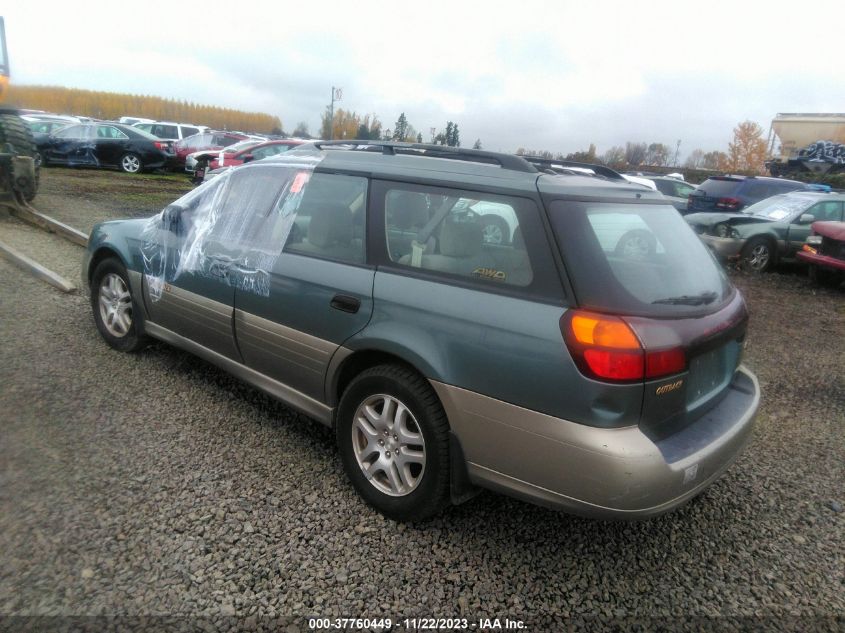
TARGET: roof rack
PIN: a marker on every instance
(598, 170)
(392, 148)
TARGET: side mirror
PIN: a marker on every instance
(807, 218)
(247, 157)
(171, 217)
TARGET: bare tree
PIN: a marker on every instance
(695, 160)
(635, 153)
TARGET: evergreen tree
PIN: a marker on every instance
(477, 144)
(400, 128)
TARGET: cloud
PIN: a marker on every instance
(550, 75)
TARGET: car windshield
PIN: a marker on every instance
(780, 207)
(637, 259)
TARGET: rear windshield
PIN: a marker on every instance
(637, 259)
(719, 187)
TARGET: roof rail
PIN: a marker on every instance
(392, 148)
(598, 170)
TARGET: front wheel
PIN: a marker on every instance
(131, 163)
(758, 255)
(394, 442)
(115, 311)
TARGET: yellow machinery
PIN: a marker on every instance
(18, 168)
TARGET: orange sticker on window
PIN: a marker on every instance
(299, 182)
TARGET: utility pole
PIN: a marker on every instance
(337, 95)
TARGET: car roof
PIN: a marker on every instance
(461, 173)
(740, 178)
(814, 195)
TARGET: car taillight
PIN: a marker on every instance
(727, 203)
(160, 145)
(606, 348)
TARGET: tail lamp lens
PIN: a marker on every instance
(606, 347)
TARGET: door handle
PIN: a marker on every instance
(345, 303)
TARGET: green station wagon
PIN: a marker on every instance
(587, 359)
(769, 231)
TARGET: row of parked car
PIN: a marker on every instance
(134, 145)
(756, 221)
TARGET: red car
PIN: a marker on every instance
(205, 140)
(825, 252)
(239, 154)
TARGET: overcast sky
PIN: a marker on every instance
(540, 75)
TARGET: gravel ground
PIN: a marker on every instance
(154, 484)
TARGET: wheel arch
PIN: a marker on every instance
(461, 488)
(357, 361)
(102, 253)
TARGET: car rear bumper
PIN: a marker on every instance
(725, 247)
(599, 473)
(825, 261)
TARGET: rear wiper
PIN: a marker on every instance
(690, 300)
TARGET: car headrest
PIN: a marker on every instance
(330, 224)
(518, 241)
(461, 239)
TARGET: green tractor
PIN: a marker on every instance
(19, 168)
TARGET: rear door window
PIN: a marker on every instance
(165, 131)
(489, 240)
(188, 131)
(638, 259)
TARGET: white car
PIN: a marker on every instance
(169, 131)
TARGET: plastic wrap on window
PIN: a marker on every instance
(231, 229)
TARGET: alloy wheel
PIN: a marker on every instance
(115, 305)
(493, 234)
(130, 163)
(758, 258)
(388, 445)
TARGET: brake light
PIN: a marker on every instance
(727, 203)
(161, 146)
(606, 348)
(665, 362)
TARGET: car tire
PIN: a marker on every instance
(15, 132)
(372, 430)
(495, 230)
(636, 244)
(758, 255)
(825, 277)
(131, 163)
(116, 312)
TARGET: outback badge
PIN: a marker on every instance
(672, 386)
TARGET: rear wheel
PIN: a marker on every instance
(394, 442)
(115, 311)
(15, 132)
(131, 163)
(758, 255)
